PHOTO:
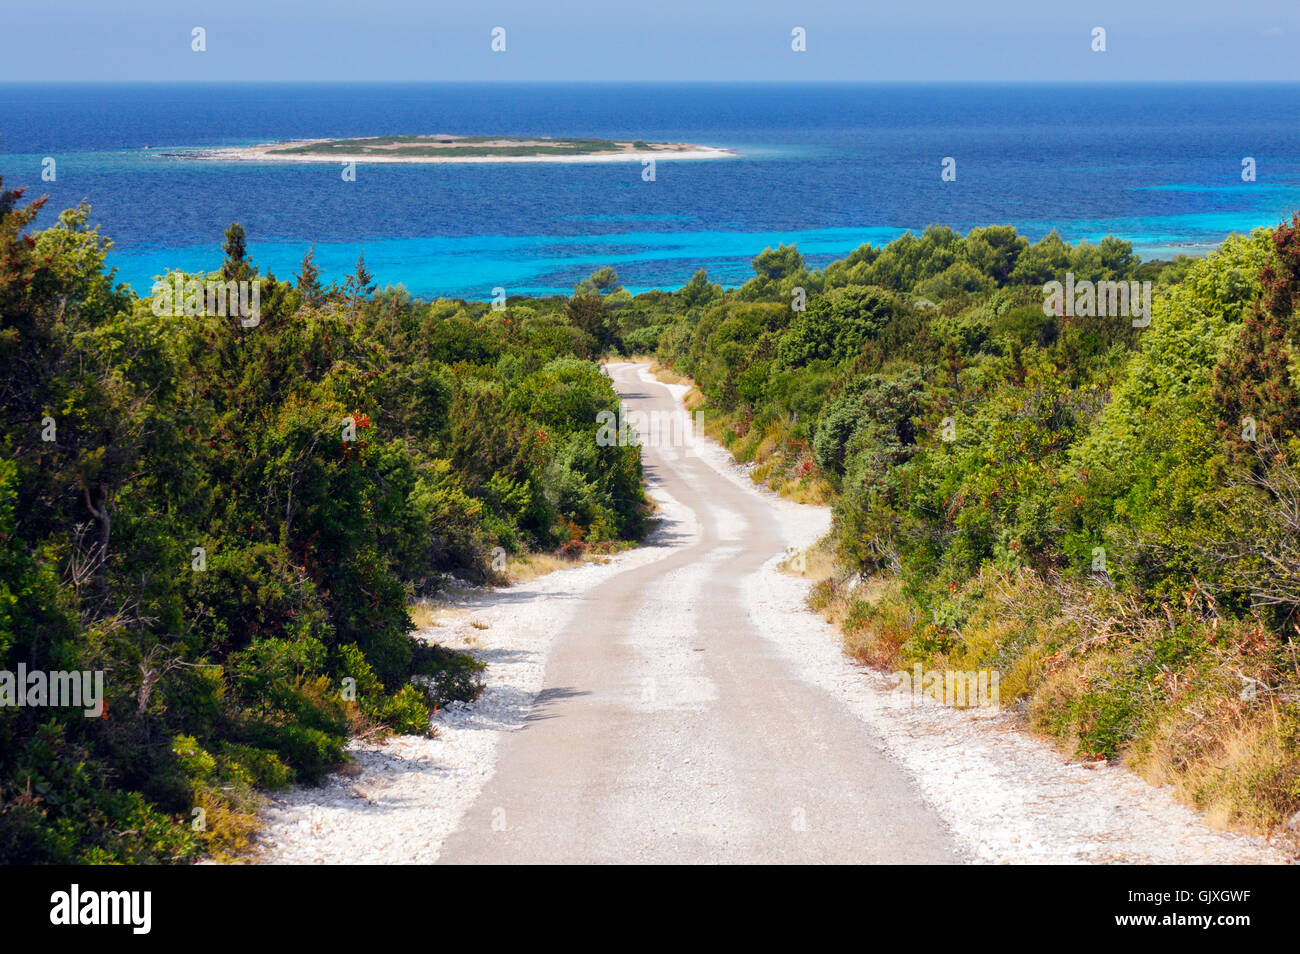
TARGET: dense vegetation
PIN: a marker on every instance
(462, 146)
(1107, 514)
(229, 519)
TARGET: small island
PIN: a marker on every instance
(447, 148)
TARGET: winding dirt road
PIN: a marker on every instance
(669, 730)
(680, 703)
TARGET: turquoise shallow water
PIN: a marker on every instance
(473, 265)
(827, 167)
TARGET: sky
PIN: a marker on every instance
(651, 40)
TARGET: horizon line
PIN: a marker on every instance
(651, 82)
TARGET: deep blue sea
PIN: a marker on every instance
(824, 166)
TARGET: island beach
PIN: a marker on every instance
(455, 149)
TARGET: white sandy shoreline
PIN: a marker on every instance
(262, 153)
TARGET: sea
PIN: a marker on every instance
(1171, 168)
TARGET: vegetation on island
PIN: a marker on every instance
(429, 147)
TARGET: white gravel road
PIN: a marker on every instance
(680, 703)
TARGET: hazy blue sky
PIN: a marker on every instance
(662, 40)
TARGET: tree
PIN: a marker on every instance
(360, 284)
(836, 325)
(1254, 379)
(236, 267)
(604, 281)
(699, 291)
(1042, 262)
(309, 279)
(776, 264)
(995, 250)
(588, 314)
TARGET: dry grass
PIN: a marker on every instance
(427, 614)
(812, 490)
(794, 477)
(1229, 755)
(1076, 657)
(816, 563)
(529, 566)
(767, 445)
(873, 619)
(876, 621)
(231, 823)
(1242, 775)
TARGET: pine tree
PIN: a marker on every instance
(309, 278)
(1253, 380)
(588, 314)
(361, 283)
(236, 267)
